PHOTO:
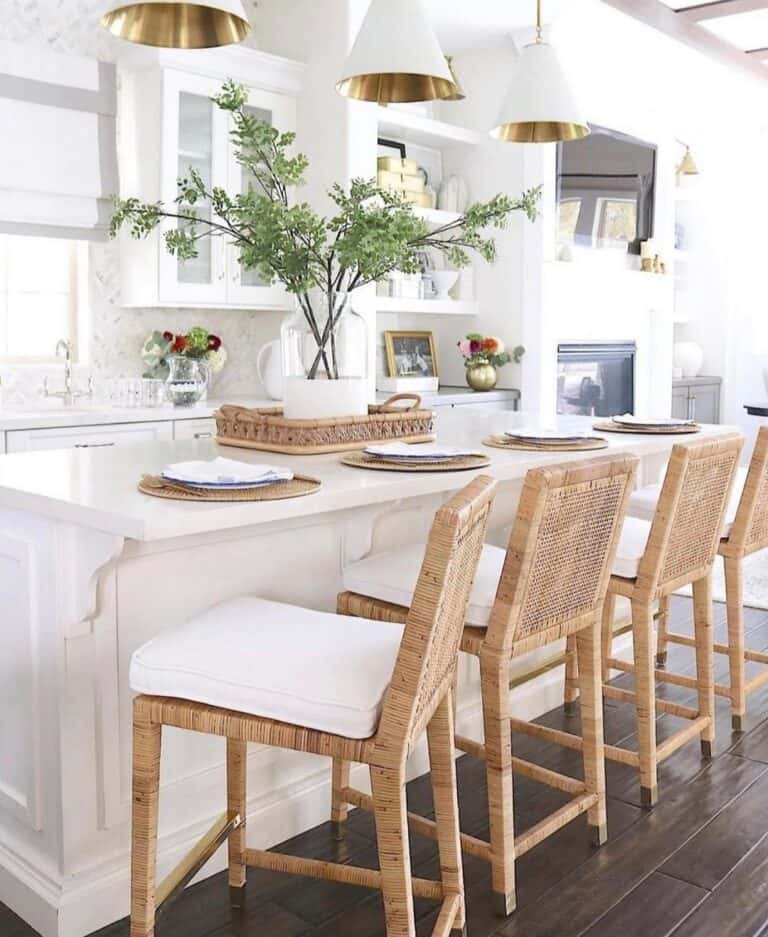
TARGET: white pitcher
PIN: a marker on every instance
(271, 373)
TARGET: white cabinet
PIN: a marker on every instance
(87, 437)
(169, 125)
(194, 429)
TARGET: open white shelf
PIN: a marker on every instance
(423, 131)
(442, 307)
(436, 216)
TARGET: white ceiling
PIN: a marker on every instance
(465, 24)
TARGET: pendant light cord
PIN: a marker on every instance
(539, 33)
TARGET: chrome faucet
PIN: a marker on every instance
(69, 395)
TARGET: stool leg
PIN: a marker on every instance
(494, 681)
(339, 810)
(609, 614)
(734, 594)
(440, 733)
(571, 692)
(389, 807)
(645, 688)
(661, 632)
(146, 789)
(237, 762)
(590, 684)
(702, 621)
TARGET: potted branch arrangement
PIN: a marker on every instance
(321, 261)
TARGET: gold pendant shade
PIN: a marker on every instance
(540, 131)
(399, 88)
(173, 24)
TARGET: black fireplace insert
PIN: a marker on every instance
(596, 378)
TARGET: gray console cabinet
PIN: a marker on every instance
(697, 398)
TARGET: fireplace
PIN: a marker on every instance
(596, 379)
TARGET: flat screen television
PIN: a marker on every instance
(605, 191)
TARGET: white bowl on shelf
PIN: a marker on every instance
(444, 280)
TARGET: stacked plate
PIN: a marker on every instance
(417, 453)
(224, 474)
(537, 436)
(662, 423)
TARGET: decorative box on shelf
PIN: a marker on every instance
(404, 385)
(271, 431)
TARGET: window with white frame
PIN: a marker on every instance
(43, 292)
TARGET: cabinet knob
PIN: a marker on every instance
(203, 435)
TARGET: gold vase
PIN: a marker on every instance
(481, 376)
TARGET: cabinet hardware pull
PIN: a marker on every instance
(203, 435)
(93, 445)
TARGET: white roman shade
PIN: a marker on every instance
(58, 158)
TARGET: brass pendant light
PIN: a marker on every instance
(458, 94)
(687, 165)
(179, 24)
(396, 58)
(540, 106)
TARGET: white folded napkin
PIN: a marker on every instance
(222, 471)
(416, 451)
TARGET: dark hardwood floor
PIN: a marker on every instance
(695, 866)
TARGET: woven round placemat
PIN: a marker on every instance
(611, 427)
(299, 486)
(464, 464)
(584, 445)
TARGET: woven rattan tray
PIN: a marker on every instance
(299, 486)
(505, 442)
(464, 464)
(270, 431)
(610, 427)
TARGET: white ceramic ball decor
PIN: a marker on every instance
(689, 357)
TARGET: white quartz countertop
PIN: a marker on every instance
(53, 414)
(96, 488)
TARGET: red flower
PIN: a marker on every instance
(168, 336)
(214, 342)
(475, 346)
(179, 344)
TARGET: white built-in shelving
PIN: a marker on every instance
(443, 307)
(414, 128)
(436, 217)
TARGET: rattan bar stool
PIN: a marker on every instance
(552, 584)
(681, 544)
(320, 683)
(745, 532)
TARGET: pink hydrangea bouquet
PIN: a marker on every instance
(487, 349)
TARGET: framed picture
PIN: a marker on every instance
(411, 354)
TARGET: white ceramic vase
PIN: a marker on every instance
(689, 357)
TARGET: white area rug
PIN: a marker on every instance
(755, 581)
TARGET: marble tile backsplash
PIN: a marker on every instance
(116, 334)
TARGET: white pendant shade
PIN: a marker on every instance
(540, 106)
(396, 57)
(179, 24)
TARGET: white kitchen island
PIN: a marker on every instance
(90, 569)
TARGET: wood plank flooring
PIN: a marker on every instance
(695, 866)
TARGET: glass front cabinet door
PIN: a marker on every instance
(196, 138)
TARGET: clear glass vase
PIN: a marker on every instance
(187, 380)
(325, 358)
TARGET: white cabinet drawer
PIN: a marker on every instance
(86, 437)
(194, 429)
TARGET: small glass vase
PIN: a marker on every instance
(481, 377)
(187, 380)
(325, 358)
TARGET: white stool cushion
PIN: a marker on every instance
(634, 536)
(642, 503)
(314, 669)
(391, 577)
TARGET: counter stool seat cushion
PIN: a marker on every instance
(391, 577)
(634, 537)
(642, 503)
(315, 669)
